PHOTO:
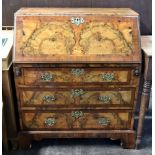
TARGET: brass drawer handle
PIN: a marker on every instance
(77, 20)
(108, 76)
(103, 121)
(77, 114)
(50, 121)
(77, 92)
(77, 71)
(46, 76)
(105, 99)
(49, 98)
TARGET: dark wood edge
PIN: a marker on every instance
(77, 64)
(85, 67)
(84, 110)
(30, 88)
(77, 129)
(58, 84)
(97, 107)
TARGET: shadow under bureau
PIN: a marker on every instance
(77, 73)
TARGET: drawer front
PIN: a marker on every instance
(66, 97)
(61, 120)
(37, 76)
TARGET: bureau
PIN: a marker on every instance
(77, 73)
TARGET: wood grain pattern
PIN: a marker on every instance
(61, 36)
(33, 76)
(88, 98)
(66, 121)
(72, 11)
(77, 72)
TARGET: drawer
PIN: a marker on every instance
(37, 76)
(68, 120)
(77, 97)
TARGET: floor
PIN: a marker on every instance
(88, 146)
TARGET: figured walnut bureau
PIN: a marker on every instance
(77, 73)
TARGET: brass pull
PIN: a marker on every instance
(108, 76)
(77, 20)
(105, 99)
(77, 71)
(47, 76)
(50, 121)
(77, 114)
(77, 92)
(49, 98)
(103, 121)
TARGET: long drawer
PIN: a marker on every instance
(77, 97)
(76, 120)
(46, 76)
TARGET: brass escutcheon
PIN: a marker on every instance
(103, 121)
(77, 114)
(50, 121)
(77, 92)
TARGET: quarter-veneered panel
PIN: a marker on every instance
(75, 120)
(73, 98)
(76, 37)
(34, 76)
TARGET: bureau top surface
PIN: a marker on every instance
(78, 35)
(103, 11)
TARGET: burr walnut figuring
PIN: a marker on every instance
(77, 73)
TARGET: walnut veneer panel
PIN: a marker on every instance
(80, 37)
(75, 120)
(77, 71)
(38, 76)
(78, 98)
